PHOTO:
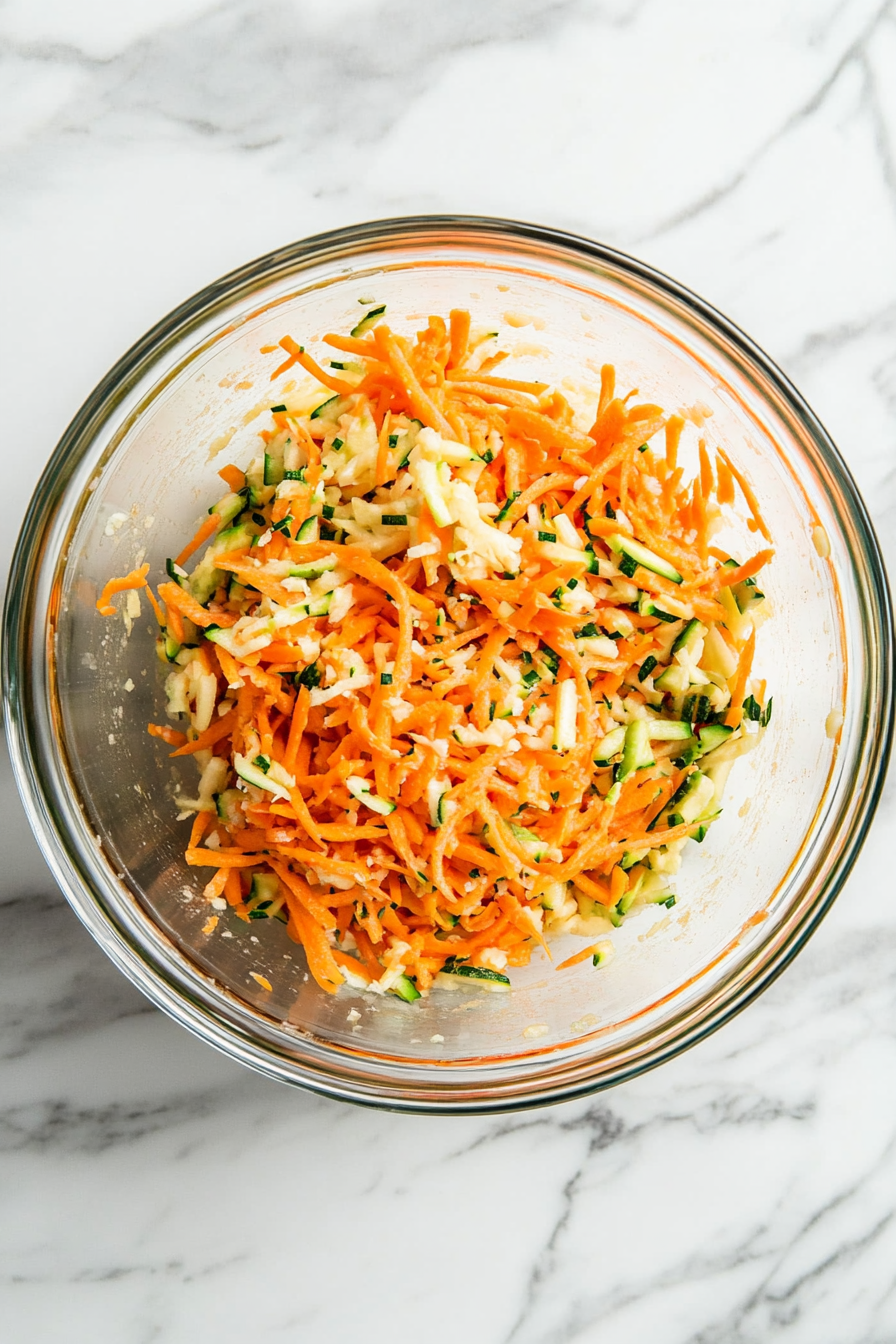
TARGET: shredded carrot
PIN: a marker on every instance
(298, 355)
(352, 345)
(157, 610)
(578, 957)
(169, 735)
(295, 354)
(136, 579)
(414, 672)
(207, 529)
(460, 337)
(419, 400)
(618, 885)
(553, 435)
(321, 962)
(232, 889)
(739, 685)
(233, 477)
(183, 602)
(727, 577)
(725, 493)
(303, 893)
(214, 858)
(596, 890)
(174, 624)
(216, 886)
(201, 823)
(607, 388)
(748, 493)
(216, 732)
(674, 428)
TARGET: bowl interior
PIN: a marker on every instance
(146, 478)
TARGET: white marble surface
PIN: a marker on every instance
(743, 1194)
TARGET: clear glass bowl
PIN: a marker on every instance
(136, 469)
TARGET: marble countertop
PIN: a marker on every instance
(152, 1190)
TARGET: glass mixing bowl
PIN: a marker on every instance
(137, 467)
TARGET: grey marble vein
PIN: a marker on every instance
(854, 52)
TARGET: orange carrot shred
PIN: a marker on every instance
(748, 494)
(460, 336)
(169, 735)
(135, 579)
(745, 662)
(207, 529)
(578, 957)
(233, 477)
(725, 491)
(298, 355)
(727, 577)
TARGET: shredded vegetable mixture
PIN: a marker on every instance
(458, 676)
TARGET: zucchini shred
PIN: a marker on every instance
(458, 676)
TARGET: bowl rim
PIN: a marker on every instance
(73, 871)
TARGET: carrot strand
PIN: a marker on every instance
(206, 529)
